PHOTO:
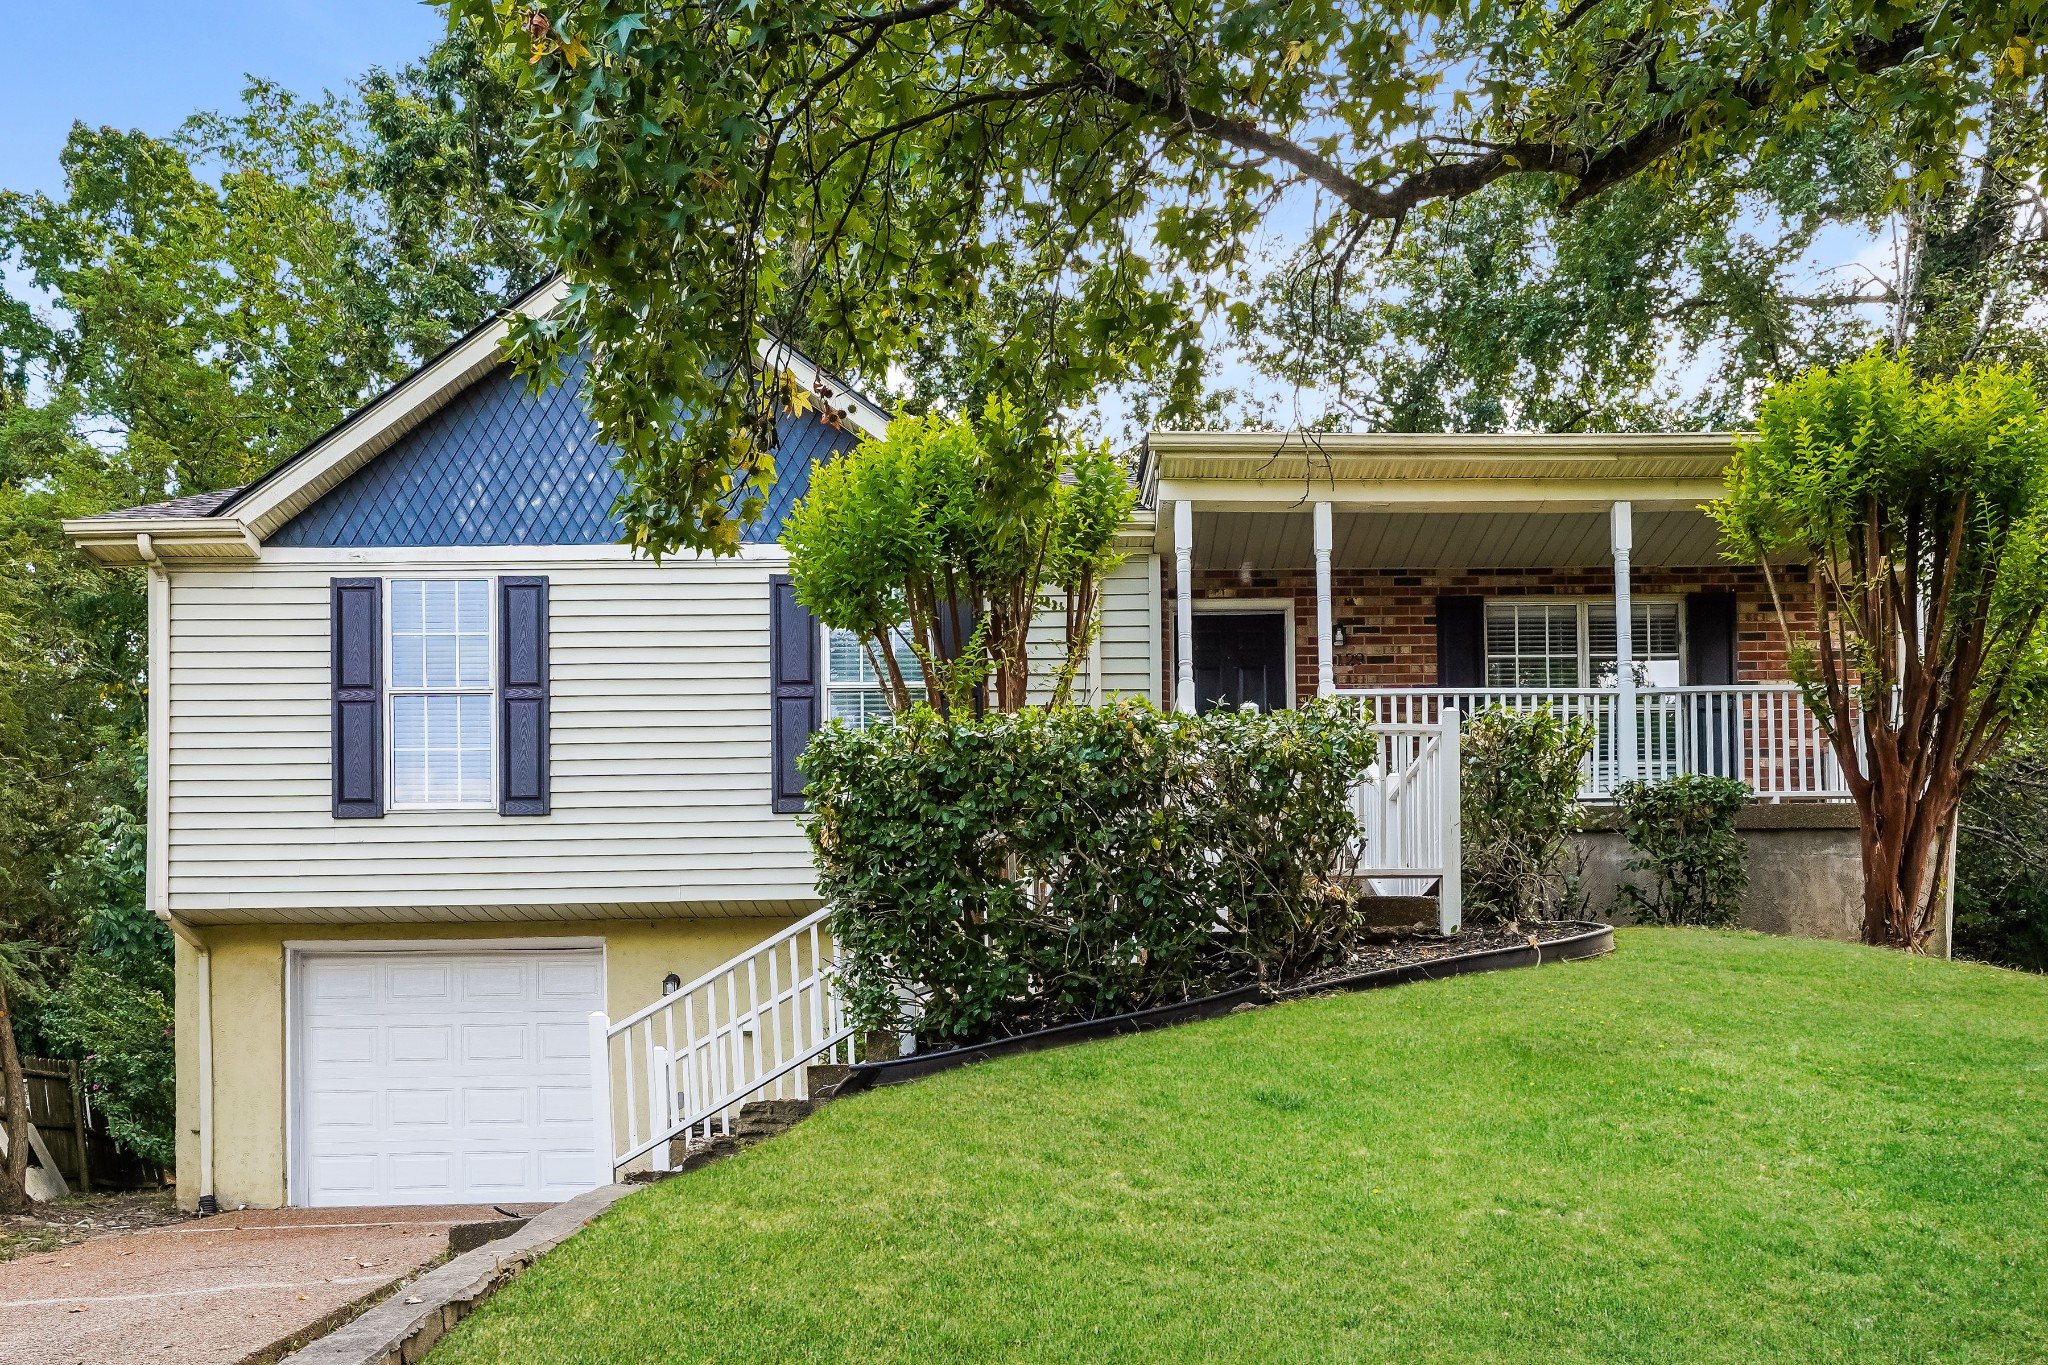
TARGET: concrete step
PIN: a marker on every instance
(1396, 912)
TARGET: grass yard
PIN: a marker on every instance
(1708, 1147)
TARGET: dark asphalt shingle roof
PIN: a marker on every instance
(191, 505)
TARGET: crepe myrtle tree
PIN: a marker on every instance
(1921, 505)
(949, 534)
(709, 173)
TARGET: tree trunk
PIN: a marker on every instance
(14, 1175)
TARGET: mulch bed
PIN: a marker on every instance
(80, 1217)
(1407, 950)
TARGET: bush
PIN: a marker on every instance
(1521, 807)
(124, 1031)
(1010, 872)
(2002, 861)
(1684, 830)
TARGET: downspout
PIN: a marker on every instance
(157, 864)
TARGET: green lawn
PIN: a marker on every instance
(1706, 1147)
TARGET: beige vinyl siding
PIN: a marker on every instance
(1127, 651)
(659, 756)
(1130, 629)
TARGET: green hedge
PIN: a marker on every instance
(1010, 872)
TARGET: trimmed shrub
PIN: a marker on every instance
(1683, 829)
(1008, 872)
(1521, 808)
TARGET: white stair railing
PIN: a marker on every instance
(1408, 815)
(745, 1030)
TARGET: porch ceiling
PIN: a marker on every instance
(1466, 540)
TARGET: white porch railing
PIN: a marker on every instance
(1761, 733)
(1407, 809)
(745, 1030)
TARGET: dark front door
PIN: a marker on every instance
(1240, 656)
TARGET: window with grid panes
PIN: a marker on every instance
(1571, 644)
(853, 692)
(441, 731)
(1654, 646)
(1532, 644)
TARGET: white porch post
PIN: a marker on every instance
(1450, 891)
(1624, 646)
(1326, 668)
(1184, 606)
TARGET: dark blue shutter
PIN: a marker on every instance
(523, 696)
(356, 623)
(1710, 639)
(1716, 719)
(1460, 642)
(793, 689)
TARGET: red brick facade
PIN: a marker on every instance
(1389, 615)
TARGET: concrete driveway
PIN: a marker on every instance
(216, 1290)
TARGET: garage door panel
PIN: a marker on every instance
(494, 983)
(419, 984)
(565, 1104)
(439, 1077)
(502, 1172)
(578, 982)
(498, 1042)
(425, 1175)
(417, 1109)
(488, 1108)
(344, 983)
(420, 1043)
(563, 1042)
(346, 1174)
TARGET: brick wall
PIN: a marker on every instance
(1389, 615)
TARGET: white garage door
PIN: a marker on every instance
(446, 1077)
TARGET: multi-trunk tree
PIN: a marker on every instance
(947, 538)
(1921, 507)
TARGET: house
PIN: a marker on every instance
(455, 802)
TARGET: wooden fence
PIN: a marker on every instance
(74, 1132)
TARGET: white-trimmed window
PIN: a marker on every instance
(853, 692)
(1540, 644)
(441, 697)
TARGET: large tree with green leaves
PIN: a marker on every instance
(197, 307)
(1921, 508)
(707, 167)
(1674, 304)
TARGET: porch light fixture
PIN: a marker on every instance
(1244, 573)
(671, 983)
(1337, 638)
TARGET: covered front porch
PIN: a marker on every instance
(1431, 573)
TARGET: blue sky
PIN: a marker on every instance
(148, 63)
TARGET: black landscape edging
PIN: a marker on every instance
(1594, 941)
(868, 1075)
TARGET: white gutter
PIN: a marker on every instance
(157, 856)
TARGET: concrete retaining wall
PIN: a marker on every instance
(1805, 869)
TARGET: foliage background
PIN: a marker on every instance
(190, 310)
